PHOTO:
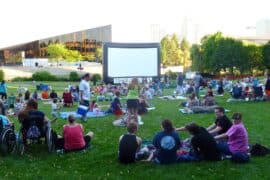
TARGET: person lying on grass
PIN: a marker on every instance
(237, 144)
(203, 145)
(221, 124)
(129, 144)
(166, 142)
(73, 138)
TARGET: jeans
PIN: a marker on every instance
(237, 157)
(190, 157)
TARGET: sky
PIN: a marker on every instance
(27, 20)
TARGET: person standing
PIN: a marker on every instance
(85, 93)
(197, 82)
(180, 79)
(3, 90)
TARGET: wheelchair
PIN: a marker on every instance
(8, 139)
(35, 131)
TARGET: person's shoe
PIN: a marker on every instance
(84, 119)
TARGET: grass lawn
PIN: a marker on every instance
(101, 161)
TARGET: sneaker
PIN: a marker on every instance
(84, 119)
(60, 151)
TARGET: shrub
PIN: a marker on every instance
(2, 75)
(22, 79)
(96, 77)
(74, 76)
(171, 75)
(43, 76)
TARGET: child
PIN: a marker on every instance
(55, 108)
(18, 106)
(129, 144)
(92, 105)
(116, 106)
(96, 109)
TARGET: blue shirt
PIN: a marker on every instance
(4, 121)
(167, 144)
(3, 88)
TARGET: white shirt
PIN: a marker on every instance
(54, 107)
(85, 90)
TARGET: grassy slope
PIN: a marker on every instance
(101, 161)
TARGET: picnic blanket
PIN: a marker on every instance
(173, 97)
(121, 122)
(64, 115)
(189, 111)
(235, 100)
(151, 108)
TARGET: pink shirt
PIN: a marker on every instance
(238, 138)
(73, 136)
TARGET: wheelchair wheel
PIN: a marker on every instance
(19, 144)
(49, 140)
(8, 142)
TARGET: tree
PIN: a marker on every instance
(254, 59)
(72, 55)
(171, 53)
(165, 44)
(196, 57)
(60, 52)
(98, 54)
(56, 52)
(185, 48)
(209, 45)
(266, 55)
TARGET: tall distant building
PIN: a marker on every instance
(191, 30)
(263, 27)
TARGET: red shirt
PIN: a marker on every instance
(73, 136)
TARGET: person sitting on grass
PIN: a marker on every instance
(53, 95)
(116, 106)
(35, 95)
(45, 94)
(203, 145)
(237, 144)
(26, 95)
(142, 106)
(68, 100)
(166, 142)
(221, 124)
(209, 99)
(73, 138)
(129, 144)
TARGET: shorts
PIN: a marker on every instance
(132, 103)
(85, 103)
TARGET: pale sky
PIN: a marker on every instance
(27, 20)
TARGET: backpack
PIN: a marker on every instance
(259, 150)
(33, 132)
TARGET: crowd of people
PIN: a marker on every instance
(223, 139)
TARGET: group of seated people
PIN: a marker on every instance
(72, 140)
(222, 139)
(195, 105)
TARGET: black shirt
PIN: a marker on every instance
(224, 123)
(205, 146)
(127, 148)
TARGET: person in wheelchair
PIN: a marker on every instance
(33, 122)
(8, 136)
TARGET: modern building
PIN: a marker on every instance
(255, 39)
(263, 28)
(85, 41)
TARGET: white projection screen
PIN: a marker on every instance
(131, 60)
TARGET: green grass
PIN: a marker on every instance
(101, 161)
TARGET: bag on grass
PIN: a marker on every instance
(259, 150)
(33, 132)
